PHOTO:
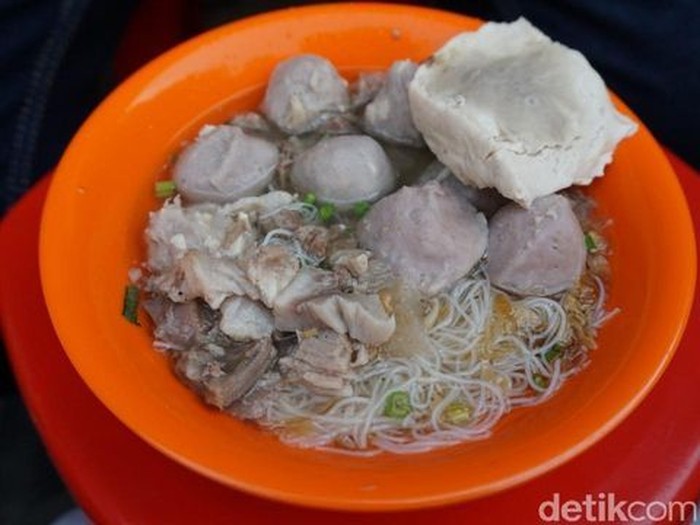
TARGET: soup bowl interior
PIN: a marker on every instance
(92, 234)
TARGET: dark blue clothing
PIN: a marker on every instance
(55, 59)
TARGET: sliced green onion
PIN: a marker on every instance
(326, 212)
(457, 413)
(361, 208)
(309, 198)
(553, 353)
(131, 303)
(165, 189)
(590, 242)
(540, 380)
(397, 405)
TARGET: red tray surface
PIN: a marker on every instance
(654, 455)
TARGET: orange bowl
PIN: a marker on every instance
(92, 233)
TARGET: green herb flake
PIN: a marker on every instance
(540, 380)
(591, 245)
(457, 413)
(326, 212)
(131, 304)
(397, 405)
(309, 198)
(553, 353)
(164, 189)
(361, 208)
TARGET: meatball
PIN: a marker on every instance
(388, 116)
(344, 170)
(429, 236)
(301, 90)
(504, 105)
(536, 251)
(225, 164)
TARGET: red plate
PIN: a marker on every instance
(117, 478)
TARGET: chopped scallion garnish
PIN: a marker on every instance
(165, 189)
(457, 413)
(361, 208)
(309, 198)
(540, 380)
(326, 212)
(590, 242)
(131, 303)
(553, 353)
(397, 405)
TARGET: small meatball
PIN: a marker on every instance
(225, 164)
(243, 319)
(301, 91)
(536, 251)
(428, 236)
(388, 116)
(344, 170)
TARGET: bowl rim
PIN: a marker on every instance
(51, 278)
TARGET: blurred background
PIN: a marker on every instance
(59, 58)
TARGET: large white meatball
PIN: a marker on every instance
(507, 107)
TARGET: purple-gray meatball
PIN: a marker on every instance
(225, 164)
(536, 251)
(388, 116)
(428, 236)
(344, 170)
(301, 90)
